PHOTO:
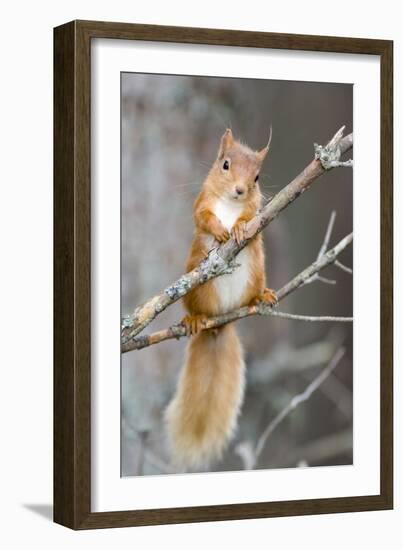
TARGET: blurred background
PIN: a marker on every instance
(171, 128)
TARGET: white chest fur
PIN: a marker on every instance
(227, 211)
(230, 288)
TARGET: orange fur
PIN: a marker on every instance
(202, 416)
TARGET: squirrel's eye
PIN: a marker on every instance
(225, 165)
(257, 177)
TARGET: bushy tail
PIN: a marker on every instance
(202, 416)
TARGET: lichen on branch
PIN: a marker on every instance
(220, 260)
(178, 331)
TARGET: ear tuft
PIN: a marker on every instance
(263, 152)
(227, 140)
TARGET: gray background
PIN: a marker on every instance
(171, 126)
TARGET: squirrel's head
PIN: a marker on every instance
(237, 167)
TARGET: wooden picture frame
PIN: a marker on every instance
(72, 272)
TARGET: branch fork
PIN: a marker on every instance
(329, 155)
(222, 259)
(178, 330)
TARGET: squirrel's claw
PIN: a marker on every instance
(222, 236)
(238, 231)
(268, 297)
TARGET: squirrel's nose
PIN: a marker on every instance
(239, 190)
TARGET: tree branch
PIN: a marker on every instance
(295, 401)
(220, 260)
(284, 359)
(322, 250)
(178, 331)
(343, 267)
(311, 318)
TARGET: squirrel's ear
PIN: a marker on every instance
(226, 141)
(263, 152)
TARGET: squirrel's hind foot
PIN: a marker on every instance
(193, 324)
(268, 296)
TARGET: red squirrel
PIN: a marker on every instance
(202, 416)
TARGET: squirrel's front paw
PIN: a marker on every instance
(238, 231)
(221, 234)
(193, 324)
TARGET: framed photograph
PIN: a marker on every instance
(222, 344)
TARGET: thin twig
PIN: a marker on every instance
(325, 280)
(297, 400)
(338, 393)
(284, 358)
(343, 267)
(328, 258)
(178, 331)
(328, 234)
(311, 318)
(322, 250)
(221, 260)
